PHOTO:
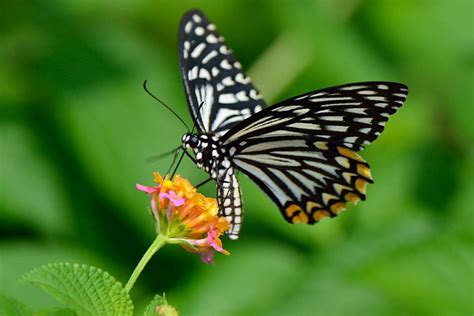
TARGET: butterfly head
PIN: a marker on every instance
(190, 141)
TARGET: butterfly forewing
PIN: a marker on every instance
(219, 93)
(353, 115)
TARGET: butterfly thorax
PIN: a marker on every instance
(207, 150)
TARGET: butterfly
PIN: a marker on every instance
(302, 152)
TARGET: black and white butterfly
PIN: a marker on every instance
(301, 151)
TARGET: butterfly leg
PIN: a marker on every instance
(203, 183)
(189, 156)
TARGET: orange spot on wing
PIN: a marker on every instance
(364, 171)
(290, 210)
(361, 185)
(300, 218)
(296, 213)
(320, 214)
(349, 153)
(338, 207)
(354, 198)
(310, 205)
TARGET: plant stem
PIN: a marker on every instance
(154, 247)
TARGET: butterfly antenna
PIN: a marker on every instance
(160, 156)
(162, 103)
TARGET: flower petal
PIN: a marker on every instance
(171, 195)
(146, 189)
(214, 241)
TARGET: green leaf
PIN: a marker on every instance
(159, 306)
(9, 306)
(87, 290)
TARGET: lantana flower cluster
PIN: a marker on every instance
(185, 216)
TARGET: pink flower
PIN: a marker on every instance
(173, 197)
(186, 217)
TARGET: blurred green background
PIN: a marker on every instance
(76, 129)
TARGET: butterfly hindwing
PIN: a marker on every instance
(219, 93)
(308, 179)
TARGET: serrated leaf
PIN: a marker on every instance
(159, 306)
(87, 290)
(9, 306)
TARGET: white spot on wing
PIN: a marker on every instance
(329, 99)
(209, 56)
(366, 92)
(375, 98)
(199, 31)
(350, 139)
(271, 160)
(313, 127)
(349, 88)
(224, 50)
(225, 64)
(211, 39)
(187, 27)
(254, 95)
(337, 118)
(193, 73)
(241, 96)
(241, 79)
(203, 73)
(227, 98)
(198, 50)
(227, 81)
(336, 128)
(356, 110)
(365, 120)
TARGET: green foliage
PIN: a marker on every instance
(86, 290)
(9, 306)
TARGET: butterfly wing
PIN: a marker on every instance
(301, 152)
(352, 114)
(219, 93)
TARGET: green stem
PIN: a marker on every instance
(154, 247)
